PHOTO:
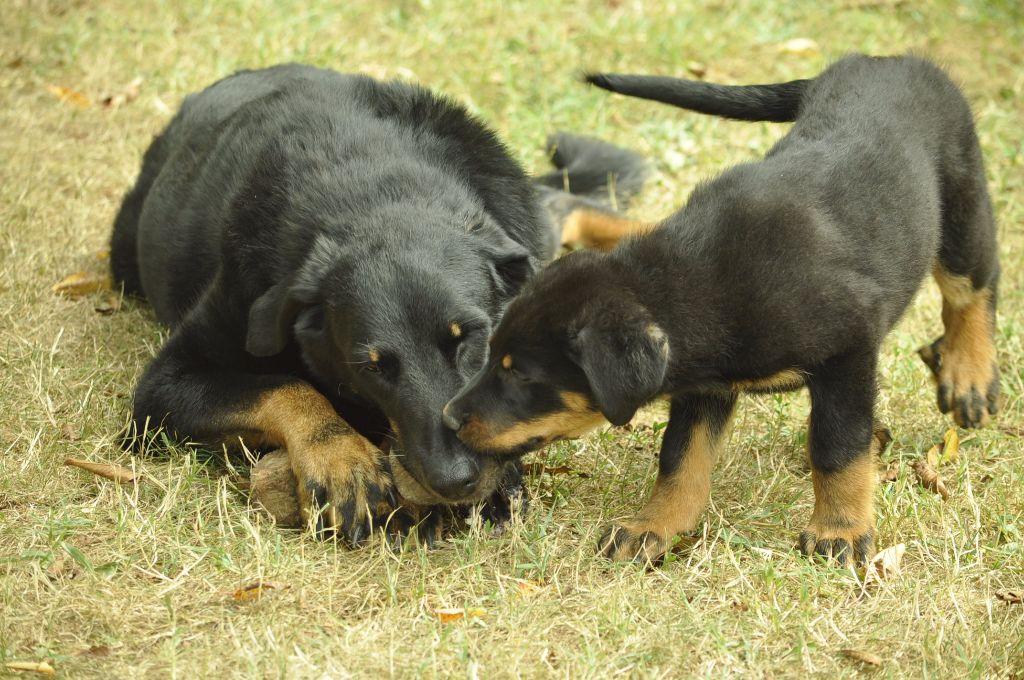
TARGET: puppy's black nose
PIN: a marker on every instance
(459, 479)
(453, 418)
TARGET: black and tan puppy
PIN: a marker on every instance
(777, 274)
(331, 253)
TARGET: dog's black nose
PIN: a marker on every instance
(452, 417)
(459, 479)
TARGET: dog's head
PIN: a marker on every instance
(572, 351)
(399, 318)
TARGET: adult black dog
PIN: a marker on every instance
(332, 252)
(775, 275)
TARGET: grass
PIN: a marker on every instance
(136, 581)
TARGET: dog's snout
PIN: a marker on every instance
(452, 417)
(459, 479)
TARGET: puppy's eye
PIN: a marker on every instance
(372, 367)
(519, 375)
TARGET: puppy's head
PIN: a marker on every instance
(398, 319)
(575, 349)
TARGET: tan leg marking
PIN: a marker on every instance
(674, 507)
(333, 464)
(843, 521)
(963, 360)
(593, 229)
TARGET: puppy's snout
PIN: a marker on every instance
(453, 417)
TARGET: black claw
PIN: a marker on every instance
(348, 513)
(806, 542)
(944, 394)
(356, 535)
(840, 551)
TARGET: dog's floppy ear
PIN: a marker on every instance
(511, 264)
(625, 366)
(272, 316)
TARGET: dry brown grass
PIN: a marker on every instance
(102, 580)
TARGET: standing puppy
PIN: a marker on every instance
(777, 274)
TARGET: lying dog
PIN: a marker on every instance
(778, 274)
(331, 253)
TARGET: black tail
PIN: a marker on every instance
(778, 103)
(590, 174)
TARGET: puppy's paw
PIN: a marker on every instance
(623, 543)
(967, 380)
(343, 488)
(841, 545)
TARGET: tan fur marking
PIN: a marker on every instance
(678, 499)
(506, 362)
(374, 355)
(577, 418)
(456, 330)
(968, 355)
(789, 379)
(593, 229)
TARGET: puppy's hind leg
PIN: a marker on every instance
(963, 359)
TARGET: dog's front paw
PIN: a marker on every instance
(625, 543)
(343, 487)
(844, 545)
(967, 381)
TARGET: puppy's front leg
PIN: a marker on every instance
(842, 446)
(695, 435)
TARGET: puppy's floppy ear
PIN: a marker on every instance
(625, 366)
(273, 315)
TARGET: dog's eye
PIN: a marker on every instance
(519, 375)
(372, 367)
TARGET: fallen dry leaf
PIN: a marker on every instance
(866, 658)
(932, 457)
(885, 564)
(69, 96)
(535, 469)
(1011, 596)
(930, 479)
(528, 587)
(70, 432)
(950, 446)
(117, 473)
(801, 47)
(31, 667)
(128, 94)
(450, 614)
(696, 69)
(81, 283)
(254, 591)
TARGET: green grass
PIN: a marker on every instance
(101, 580)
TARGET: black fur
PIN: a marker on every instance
(291, 219)
(801, 262)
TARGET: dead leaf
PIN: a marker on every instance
(94, 650)
(801, 47)
(891, 474)
(537, 468)
(108, 304)
(69, 96)
(254, 591)
(81, 283)
(1011, 596)
(932, 457)
(451, 614)
(885, 564)
(128, 94)
(950, 446)
(696, 69)
(866, 658)
(40, 667)
(930, 479)
(70, 432)
(529, 587)
(117, 473)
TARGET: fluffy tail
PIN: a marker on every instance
(777, 103)
(592, 182)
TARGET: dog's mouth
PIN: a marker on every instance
(414, 491)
